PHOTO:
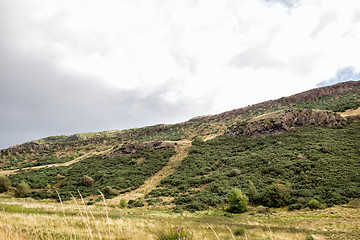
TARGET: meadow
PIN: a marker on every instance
(32, 219)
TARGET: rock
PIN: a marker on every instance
(284, 121)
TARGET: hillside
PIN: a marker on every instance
(305, 146)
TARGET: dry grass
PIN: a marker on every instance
(28, 219)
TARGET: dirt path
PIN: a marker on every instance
(182, 149)
(16, 171)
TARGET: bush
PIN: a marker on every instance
(237, 201)
(86, 181)
(240, 231)
(313, 204)
(123, 203)
(309, 237)
(276, 195)
(253, 193)
(22, 189)
(109, 191)
(5, 184)
(175, 233)
(234, 173)
(296, 206)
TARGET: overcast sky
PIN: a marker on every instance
(78, 66)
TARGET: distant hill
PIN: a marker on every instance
(305, 146)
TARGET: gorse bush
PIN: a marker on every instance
(86, 181)
(5, 184)
(276, 195)
(313, 204)
(22, 189)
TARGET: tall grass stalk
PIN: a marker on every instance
(217, 237)
(92, 216)
(232, 235)
(87, 225)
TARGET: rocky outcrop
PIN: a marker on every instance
(132, 148)
(284, 121)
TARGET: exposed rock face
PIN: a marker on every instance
(284, 121)
(132, 148)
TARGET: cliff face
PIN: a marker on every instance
(284, 121)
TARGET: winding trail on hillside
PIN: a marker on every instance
(78, 159)
(182, 150)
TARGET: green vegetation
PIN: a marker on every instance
(118, 174)
(282, 168)
(237, 201)
(5, 184)
(22, 189)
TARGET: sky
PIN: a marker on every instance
(85, 66)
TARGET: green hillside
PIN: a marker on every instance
(310, 162)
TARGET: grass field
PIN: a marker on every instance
(30, 219)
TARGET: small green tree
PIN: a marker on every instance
(5, 184)
(237, 201)
(22, 189)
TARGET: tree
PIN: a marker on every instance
(22, 189)
(5, 184)
(237, 201)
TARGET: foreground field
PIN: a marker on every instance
(29, 219)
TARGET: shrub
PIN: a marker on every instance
(309, 237)
(5, 184)
(175, 233)
(253, 193)
(237, 201)
(86, 181)
(234, 173)
(296, 206)
(301, 200)
(313, 204)
(109, 191)
(240, 231)
(22, 189)
(123, 203)
(276, 195)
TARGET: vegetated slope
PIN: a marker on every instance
(311, 162)
(57, 149)
(305, 159)
(111, 174)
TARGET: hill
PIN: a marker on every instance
(298, 147)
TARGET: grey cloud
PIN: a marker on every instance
(325, 20)
(342, 75)
(36, 100)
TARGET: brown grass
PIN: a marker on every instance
(75, 220)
